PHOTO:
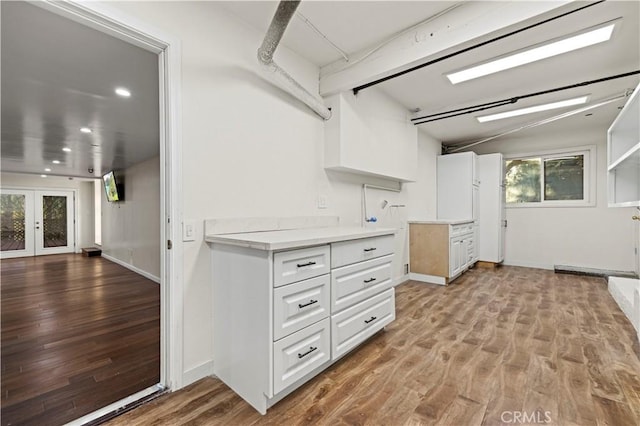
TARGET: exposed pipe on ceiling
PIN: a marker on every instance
(324, 37)
(545, 121)
(282, 17)
(495, 104)
(475, 46)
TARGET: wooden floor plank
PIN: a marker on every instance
(493, 343)
(78, 333)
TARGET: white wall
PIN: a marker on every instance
(595, 237)
(131, 228)
(423, 193)
(84, 200)
(248, 149)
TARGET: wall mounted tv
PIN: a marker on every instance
(113, 189)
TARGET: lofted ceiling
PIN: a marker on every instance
(357, 26)
(62, 77)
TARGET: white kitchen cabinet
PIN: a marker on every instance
(369, 135)
(623, 148)
(491, 208)
(439, 251)
(287, 304)
(457, 186)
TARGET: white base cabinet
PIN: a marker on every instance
(439, 251)
(284, 312)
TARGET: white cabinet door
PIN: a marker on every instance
(454, 257)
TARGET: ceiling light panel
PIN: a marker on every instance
(65, 149)
(532, 109)
(590, 37)
(124, 92)
(85, 130)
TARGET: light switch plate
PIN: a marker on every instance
(188, 230)
(322, 201)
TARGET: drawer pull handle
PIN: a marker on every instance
(370, 320)
(311, 349)
(370, 249)
(311, 302)
(370, 280)
(302, 265)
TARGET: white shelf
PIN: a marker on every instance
(630, 158)
(623, 148)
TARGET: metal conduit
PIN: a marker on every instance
(282, 17)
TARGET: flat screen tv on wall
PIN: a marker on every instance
(113, 190)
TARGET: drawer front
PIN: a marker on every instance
(349, 252)
(462, 228)
(298, 305)
(354, 325)
(298, 265)
(355, 283)
(299, 354)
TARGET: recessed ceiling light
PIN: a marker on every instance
(85, 130)
(536, 108)
(65, 149)
(43, 175)
(56, 162)
(542, 51)
(121, 91)
(47, 169)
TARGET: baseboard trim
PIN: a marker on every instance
(200, 372)
(431, 279)
(401, 280)
(132, 268)
(525, 264)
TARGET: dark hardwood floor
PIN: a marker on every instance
(78, 333)
(492, 346)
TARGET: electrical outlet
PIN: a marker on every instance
(322, 201)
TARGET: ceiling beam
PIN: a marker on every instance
(467, 22)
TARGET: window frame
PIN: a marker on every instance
(588, 176)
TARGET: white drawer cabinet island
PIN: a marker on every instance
(287, 304)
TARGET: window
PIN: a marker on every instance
(555, 178)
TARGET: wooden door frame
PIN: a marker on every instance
(102, 17)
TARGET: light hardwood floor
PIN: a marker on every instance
(493, 343)
(78, 333)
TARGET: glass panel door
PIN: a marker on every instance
(16, 223)
(54, 222)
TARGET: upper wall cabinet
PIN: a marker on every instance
(624, 155)
(370, 134)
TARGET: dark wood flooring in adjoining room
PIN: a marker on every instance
(493, 344)
(78, 333)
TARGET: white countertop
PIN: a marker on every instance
(440, 222)
(296, 238)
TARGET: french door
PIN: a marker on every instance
(34, 223)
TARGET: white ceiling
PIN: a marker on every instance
(353, 26)
(61, 77)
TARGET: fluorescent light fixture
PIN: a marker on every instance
(542, 51)
(56, 162)
(121, 91)
(43, 176)
(85, 130)
(47, 169)
(65, 149)
(536, 108)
